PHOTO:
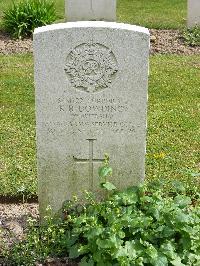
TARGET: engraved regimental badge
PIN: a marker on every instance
(91, 67)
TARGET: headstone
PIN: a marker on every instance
(81, 10)
(91, 99)
(193, 13)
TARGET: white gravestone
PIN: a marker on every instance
(78, 10)
(91, 99)
(193, 13)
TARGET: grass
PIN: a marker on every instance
(158, 14)
(17, 126)
(173, 121)
(173, 118)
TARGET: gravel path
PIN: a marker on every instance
(162, 42)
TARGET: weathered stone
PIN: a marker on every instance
(78, 10)
(91, 99)
(193, 13)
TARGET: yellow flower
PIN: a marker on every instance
(160, 155)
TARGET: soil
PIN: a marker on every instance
(12, 46)
(162, 42)
(13, 217)
(170, 42)
(13, 225)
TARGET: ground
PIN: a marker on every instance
(162, 42)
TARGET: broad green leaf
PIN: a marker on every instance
(182, 201)
(152, 252)
(86, 262)
(168, 231)
(105, 171)
(129, 198)
(155, 212)
(121, 252)
(83, 249)
(130, 246)
(109, 186)
(186, 240)
(169, 250)
(178, 186)
(104, 243)
(193, 259)
(104, 263)
(177, 262)
(97, 256)
(73, 252)
(181, 217)
(139, 261)
(121, 234)
(161, 260)
(93, 232)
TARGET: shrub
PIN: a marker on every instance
(139, 226)
(192, 36)
(22, 18)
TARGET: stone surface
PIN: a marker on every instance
(193, 13)
(78, 10)
(91, 99)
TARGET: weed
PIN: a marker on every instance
(192, 36)
(139, 226)
(22, 18)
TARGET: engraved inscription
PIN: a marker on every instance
(91, 67)
(91, 161)
(57, 129)
(93, 107)
(80, 114)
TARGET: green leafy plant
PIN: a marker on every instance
(22, 18)
(51, 238)
(104, 173)
(139, 226)
(192, 36)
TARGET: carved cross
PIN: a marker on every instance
(91, 162)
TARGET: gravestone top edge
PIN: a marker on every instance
(92, 24)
